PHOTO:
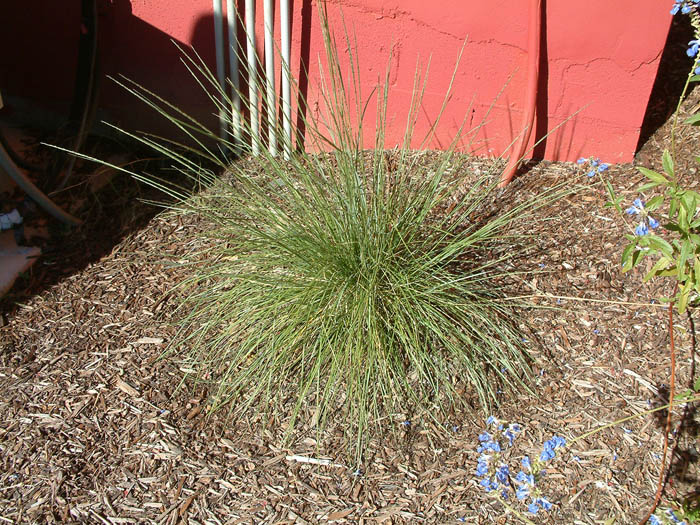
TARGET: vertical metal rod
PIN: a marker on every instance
(285, 37)
(270, 78)
(220, 72)
(252, 76)
(232, 18)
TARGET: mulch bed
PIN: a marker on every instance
(95, 428)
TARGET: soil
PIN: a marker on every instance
(95, 428)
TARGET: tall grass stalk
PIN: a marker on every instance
(360, 283)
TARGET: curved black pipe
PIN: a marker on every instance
(84, 105)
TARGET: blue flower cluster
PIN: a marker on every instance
(550, 447)
(683, 6)
(596, 166)
(646, 221)
(495, 474)
(672, 518)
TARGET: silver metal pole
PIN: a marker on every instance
(285, 37)
(252, 75)
(232, 18)
(270, 78)
(220, 72)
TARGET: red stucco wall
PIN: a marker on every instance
(600, 62)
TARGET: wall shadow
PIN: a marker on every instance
(542, 103)
(303, 72)
(44, 77)
(670, 78)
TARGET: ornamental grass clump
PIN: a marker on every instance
(368, 283)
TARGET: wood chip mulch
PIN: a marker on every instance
(94, 428)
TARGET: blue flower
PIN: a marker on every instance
(544, 503)
(550, 446)
(526, 462)
(547, 454)
(683, 6)
(654, 520)
(641, 229)
(488, 484)
(527, 479)
(482, 469)
(502, 474)
(491, 420)
(636, 208)
(595, 164)
(693, 49)
(511, 433)
(504, 494)
(532, 507)
(558, 441)
(522, 492)
(482, 466)
(485, 436)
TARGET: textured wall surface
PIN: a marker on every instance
(597, 68)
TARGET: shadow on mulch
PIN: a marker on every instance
(109, 214)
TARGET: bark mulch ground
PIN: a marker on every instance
(95, 429)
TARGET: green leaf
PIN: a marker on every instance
(672, 226)
(626, 258)
(659, 245)
(669, 272)
(683, 219)
(648, 186)
(694, 78)
(614, 200)
(654, 203)
(689, 202)
(685, 253)
(672, 208)
(652, 175)
(667, 162)
(696, 385)
(692, 120)
(683, 295)
(660, 265)
(637, 257)
(610, 521)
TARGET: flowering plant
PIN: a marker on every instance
(677, 253)
(494, 473)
